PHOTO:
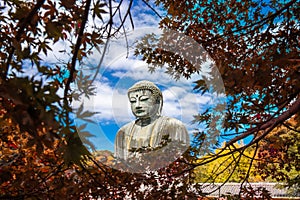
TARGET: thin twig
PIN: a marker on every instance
(125, 35)
(290, 128)
(251, 163)
(261, 22)
(125, 17)
(110, 23)
(145, 2)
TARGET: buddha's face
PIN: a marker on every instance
(143, 104)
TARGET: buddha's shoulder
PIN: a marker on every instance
(126, 127)
(170, 121)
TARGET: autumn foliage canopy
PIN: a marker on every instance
(254, 45)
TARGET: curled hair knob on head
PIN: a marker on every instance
(146, 85)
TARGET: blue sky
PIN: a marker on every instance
(120, 69)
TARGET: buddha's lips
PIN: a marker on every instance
(139, 111)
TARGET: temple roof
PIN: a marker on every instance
(218, 189)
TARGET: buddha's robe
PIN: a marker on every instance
(164, 129)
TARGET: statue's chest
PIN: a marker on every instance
(146, 136)
(142, 136)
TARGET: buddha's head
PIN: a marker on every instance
(146, 100)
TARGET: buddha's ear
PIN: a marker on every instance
(160, 102)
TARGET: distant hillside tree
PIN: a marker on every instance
(230, 168)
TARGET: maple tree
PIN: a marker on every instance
(254, 46)
(278, 157)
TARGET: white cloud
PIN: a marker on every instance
(112, 103)
(109, 103)
(120, 69)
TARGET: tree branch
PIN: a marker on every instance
(76, 50)
(145, 2)
(125, 17)
(271, 124)
(22, 25)
(266, 127)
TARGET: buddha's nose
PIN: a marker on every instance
(138, 105)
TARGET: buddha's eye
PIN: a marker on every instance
(132, 100)
(144, 99)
